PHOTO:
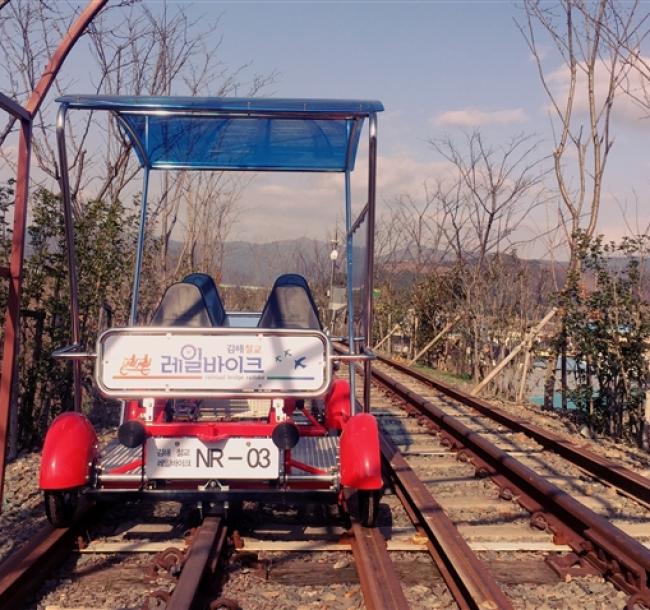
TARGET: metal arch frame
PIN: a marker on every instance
(354, 125)
(25, 115)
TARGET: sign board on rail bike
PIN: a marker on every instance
(211, 362)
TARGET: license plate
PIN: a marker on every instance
(191, 458)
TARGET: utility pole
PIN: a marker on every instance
(334, 254)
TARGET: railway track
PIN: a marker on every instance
(138, 573)
(459, 527)
(624, 479)
(594, 510)
(150, 565)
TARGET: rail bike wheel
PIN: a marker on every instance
(61, 506)
(368, 506)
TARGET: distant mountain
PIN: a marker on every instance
(259, 264)
(254, 264)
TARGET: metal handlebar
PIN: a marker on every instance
(367, 355)
(73, 352)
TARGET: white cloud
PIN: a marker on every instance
(473, 117)
(289, 206)
(625, 109)
(404, 174)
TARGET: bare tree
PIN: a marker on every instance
(626, 27)
(418, 224)
(26, 47)
(139, 49)
(136, 51)
(410, 243)
(491, 191)
(210, 203)
(595, 65)
(595, 70)
(29, 32)
(457, 242)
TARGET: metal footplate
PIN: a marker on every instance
(117, 456)
(191, 459)
(321, 452)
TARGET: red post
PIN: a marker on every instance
(26, 115)
(58, 57)
(12, 315)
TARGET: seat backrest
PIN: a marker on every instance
(182, 305)
(290, 305)
(208, 289)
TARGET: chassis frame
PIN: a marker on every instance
(72, 460)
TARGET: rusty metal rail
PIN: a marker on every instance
(379, 581)
(620, 477)
(205, 551)
(22, 572)
(27, 567)
(24, 569)
(468, 579)
(616, 555)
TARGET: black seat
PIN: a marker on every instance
(208, 289)
(182, 305)
(290, 305)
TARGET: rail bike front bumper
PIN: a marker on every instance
(188, 467)
(309, 472)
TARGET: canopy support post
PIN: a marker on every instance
(133, 316)
(370, 252)
(68, 218)
(349, 253)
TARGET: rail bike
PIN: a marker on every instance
(221, 406)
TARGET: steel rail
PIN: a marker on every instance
(468, 579)
(24, 569)
(206, 548)
(620, 477)
(380, 583)
(615, 554)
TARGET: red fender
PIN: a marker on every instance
(359, 453)
(68, 453)
(337, 405)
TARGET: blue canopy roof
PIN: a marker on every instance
(237, 133)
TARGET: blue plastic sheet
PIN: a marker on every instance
(238, 133)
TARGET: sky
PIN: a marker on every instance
(421, 59)
(440, 69)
